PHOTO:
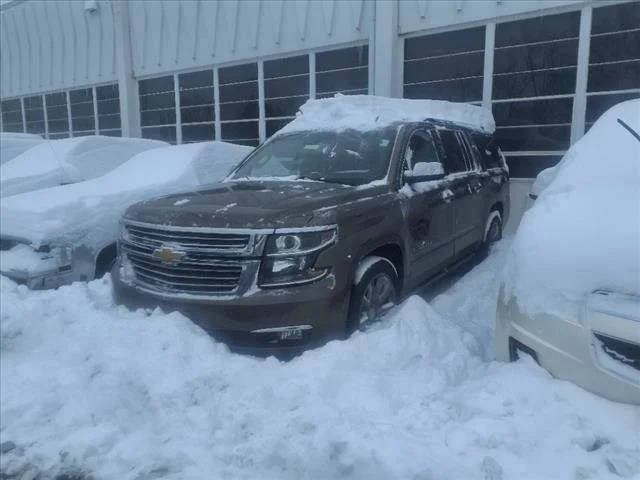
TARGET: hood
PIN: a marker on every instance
(255, 204)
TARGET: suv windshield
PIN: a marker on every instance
(348, 157)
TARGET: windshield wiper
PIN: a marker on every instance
(629, 129)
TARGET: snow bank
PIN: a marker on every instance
(583, 232)
(13, 144)
(68, 160)
(89, 211)
(89, 386)
(366, 112)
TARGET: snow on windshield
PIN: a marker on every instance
(583, 232)
(368, 112)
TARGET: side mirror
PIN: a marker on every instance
(424, 172)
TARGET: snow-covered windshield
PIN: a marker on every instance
(348, 157)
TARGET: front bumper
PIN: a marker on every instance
(569, 348)
(273, 319)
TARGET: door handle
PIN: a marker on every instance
(447, 195)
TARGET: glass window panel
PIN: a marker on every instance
(35, 127)
(239, 111)
(342, 80)
(615, 18)
(57, 112)
(535, 84)
(82, 95)
(111, 133)
(283, 107)
(56, 136)
(238, 73)
(33, 102)
(462, 90)
(55, 99)
(158, 117)
(530, 166)
(274, 125)
(445, 68)
(12, 117)
(536, 57)
(240, 91)
(156, 85)
(239, 130)
(614, 76)
(81, 124)
(533, 112)
(612, 48)
(107, 92)
(57, 126)
(286, 87)
(202, 78)
(11, 105)
(84, 133)
(108, 121)
(196, 96)
(533, 138)
(197, 114)
(342, 58)
(598, 104)
(538, 29)
(107, 107)
(163, 100)
(444, 43)
(198, 133)
(362, 91)
(455, 160)
(283, 67)
(82, 109)
(168, 134)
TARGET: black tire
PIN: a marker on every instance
(380, 275)
(106, 260)
(494, 233)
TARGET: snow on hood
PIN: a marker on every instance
(68, 160)
(368, 112)
(583, 232)
(13, 144)
(68, 213)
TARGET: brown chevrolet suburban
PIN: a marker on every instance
(316, 233)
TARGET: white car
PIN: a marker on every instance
(68, 160)
(571, 291)
(13, 144)
(62, 234)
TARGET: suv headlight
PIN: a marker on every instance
(290, 256)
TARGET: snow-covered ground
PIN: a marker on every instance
(90, 387)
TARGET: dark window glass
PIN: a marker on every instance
(455, 161)
(82, 124)
(550, 138)
(197, 114)
(81, 105)
(56, 136)
(535, 57)
(108, 107)
(84, 133)
(283, 107)
(362, 91)
(533, 112)
(342, 58)
(534, 84)
(162, 100)
(342, 80)
(80, 96)
(107, 92)
(239, 73)
(239, 111)
(202, 78)
(84, 109)
(274, 125)
(57, 115)
(156, 85)
(615, 17)
(286, 87)
(598, 104)
(56, 99)
(284, 67)
(111, 133)
(614, 76)
(106, 122)
(530, 166)
(420, 149)
(240, 91)
(158, 117)
(11, 105)
(34, 114)
(196, 96)
(108, 103)
(458, 66)
(197, 133)
(615, 47)
(444, 43)
(538, 29)
(462, 90)
(58, 126)
(240, 130)
(168, 134)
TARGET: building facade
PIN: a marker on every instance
(237, 70)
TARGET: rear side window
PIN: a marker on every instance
(455, 161)
(489, 151)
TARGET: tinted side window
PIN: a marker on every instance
(421, 148)
(455, 161)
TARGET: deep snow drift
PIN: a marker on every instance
(92, 387)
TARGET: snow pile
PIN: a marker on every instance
(91, 387)
(68, 160)
(583, 232)
(368, 112)
(13, 144)
(89, 212)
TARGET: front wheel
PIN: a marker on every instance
(374, 294)
(493, 232)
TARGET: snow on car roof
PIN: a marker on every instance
(367, 112)
(13, 144)
(583, 231)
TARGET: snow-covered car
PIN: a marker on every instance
(13, 144)
(571, 292)
(66, 233)
(68, 160)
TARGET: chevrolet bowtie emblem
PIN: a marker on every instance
(168, 255)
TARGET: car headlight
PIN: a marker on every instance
(290, 256)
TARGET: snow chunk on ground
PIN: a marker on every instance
(89, 386)
(583, 231)
(13, 144)
(68, 160)
(368, 112)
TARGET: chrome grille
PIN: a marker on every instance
(204, 240)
